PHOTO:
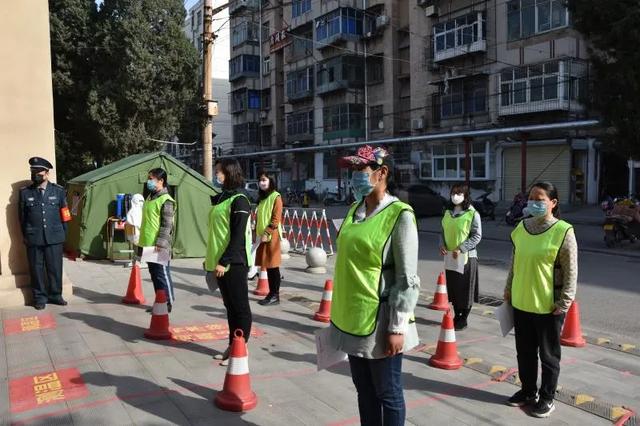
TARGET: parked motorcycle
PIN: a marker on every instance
(485, 206)
(620, 228)
(516, 212)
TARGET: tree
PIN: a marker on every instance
(122, 74)
(613, 31)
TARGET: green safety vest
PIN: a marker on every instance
(534, 262)
(264, 213)
(220, 233)
(358, 269)
(151, 213)
(456, 229)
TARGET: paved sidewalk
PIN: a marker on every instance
(107, 373)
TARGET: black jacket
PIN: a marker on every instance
(39, 215)
(236, 251)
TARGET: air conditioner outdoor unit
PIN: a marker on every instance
(431, 11)
(417, 124)
(382, 21)
(264, 115)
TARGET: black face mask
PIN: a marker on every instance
(37, 178)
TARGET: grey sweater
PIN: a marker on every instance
(400, 282)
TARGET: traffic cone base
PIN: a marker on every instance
(262, 288)
(159, 327)
(134, 294)
(236, 394)
(440, 298)
(324, 311)
(446, 356)
(572, 331)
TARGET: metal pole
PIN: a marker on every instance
(207, 95)
(523, 163)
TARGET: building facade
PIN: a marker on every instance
(336, 71)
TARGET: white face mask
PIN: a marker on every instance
(457, 199)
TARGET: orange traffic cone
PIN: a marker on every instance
(236, 394)
(159, 328)
(440, 299)
(446, 356)
(324, 312)
(134, 294)
(572, 332)
(262, 289)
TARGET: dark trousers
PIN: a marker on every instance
(161, 278)
(379, 386)
(235, 296)
(538, 334)
(45, 265)
(274, 280)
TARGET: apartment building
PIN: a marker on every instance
(337, 71)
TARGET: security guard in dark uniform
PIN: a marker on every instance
(43, 213)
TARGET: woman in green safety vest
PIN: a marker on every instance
(461, 234)
(156, 230)
(269, 232)
(541, 286)
(376, 288)
(228, 256)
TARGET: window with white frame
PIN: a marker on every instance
(526, 18)
(447, 162)
(266, 65)
(458, 32)
(345, 20)
(541, 82)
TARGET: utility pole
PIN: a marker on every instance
(207, 133)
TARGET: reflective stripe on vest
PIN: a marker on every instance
(456, 229)
(358, 269)
(220, 233)
(150, 226)
(264, 214)
(533, 267)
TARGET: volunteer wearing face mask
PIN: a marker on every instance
(376, 288)
(228, 256)
(43, 215)
(268, 230)
(156, 230)
(461, 234)
(541, 286)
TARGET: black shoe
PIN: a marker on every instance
(271, 299)
(149, 310)
(60, 302)
(543, 408)
(39, 306)
(169, 307)
(522, 398)
(460, 324)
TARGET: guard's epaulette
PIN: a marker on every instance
(57, 186)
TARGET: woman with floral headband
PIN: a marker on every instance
(376, 288)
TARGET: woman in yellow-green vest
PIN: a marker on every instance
(228, 255)
(156, 230)
(541, 286)
(268, 231)
(461, 234)
(376, 288)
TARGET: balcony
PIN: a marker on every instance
(343, 121)
(237, 6)
(300, 127)
(243, 100)
(465, 98)
(559, 85)
(340, 73)
(244, 66)
(460, 36)
(244, 32)
(300, 84)
(340, 25)
(245, 134)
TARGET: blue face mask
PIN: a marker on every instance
(151, 185)
(217, 183)
(537, 208)
(361, 184)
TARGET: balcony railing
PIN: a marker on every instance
(237, 5)
(460, 36)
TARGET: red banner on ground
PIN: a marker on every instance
(55, 387)
(30, 323)
(205, 332)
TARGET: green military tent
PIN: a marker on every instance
(91, 198)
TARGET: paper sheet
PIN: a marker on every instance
(337, 223)
(253, 271)
(457, 265)
(149, 254)
(504, 314)
(328, 356)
